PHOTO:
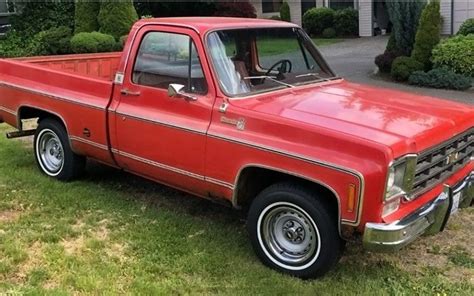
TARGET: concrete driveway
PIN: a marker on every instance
(353, 59)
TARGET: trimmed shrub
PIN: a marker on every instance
(467, 27)
(85, 19)
(92, 42)
(404, 16)
(403, 67)
(121, 43)
(346, 22)
(285, 12)
(13, 45)
(316, 20)
(329, 33)
(235, 9)
(457, 53)
(116, 18)
(384, 61)
(440, 78)
(392, 44)
(51, 42)
(428, 34)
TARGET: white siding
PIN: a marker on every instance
(445, 10)
(462, 10)
(365, 18)
(295, 12)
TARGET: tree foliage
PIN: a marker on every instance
(316, 20)
(116, 18)
(405, 16)
(456, 53)
(285, 12)
(428, 34)
(34, 17)
(86, 14)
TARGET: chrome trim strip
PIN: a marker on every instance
(162, 123)
(159, 165)
(52, 96)
(89, 142)
(355, 173)
(221, 183)
(12, 112)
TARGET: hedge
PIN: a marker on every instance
(428, 34)
(467, 27)
(86, 14)
(93, 42)
(346, 22)
(51, 42)
(316, 20)
(456, 53)
(285, 12)
(440, 78)
(403, 67)
(116, 18)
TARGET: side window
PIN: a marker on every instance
(165, 58)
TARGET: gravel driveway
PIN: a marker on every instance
(353, 59)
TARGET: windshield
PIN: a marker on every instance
(259, 60)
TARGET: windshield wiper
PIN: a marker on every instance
(315, 75)
(272, 78)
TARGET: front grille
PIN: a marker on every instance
(438, 163)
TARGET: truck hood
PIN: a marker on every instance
(405, 122)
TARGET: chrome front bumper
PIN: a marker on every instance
(429, 219)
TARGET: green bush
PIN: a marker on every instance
(85, 19)
(404, 16)
(346, 22)
(403, 67)
(285, 12)
(51, 42)
(316, 20)
(457, 53)
(329, 33)
(241, 8)
(428, 34)
(440, 78)
(92, 42)
(116, 18)
(384, 61)
(14, 45)
(121, 43)
(467, 27)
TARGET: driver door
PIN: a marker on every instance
(159, 136)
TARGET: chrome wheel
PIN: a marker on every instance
(50, 152)
(289, 236)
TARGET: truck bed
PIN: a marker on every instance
(102, 66)
(76, 88)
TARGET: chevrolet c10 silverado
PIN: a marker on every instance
(247, 112)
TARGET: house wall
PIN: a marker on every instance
(366, 18)
(462, 10)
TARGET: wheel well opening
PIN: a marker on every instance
(26, 113)
(253, 180)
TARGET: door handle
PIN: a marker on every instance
(127, 92)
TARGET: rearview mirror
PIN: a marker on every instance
(177, 90)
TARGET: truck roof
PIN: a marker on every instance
(204, 24)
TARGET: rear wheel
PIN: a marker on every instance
(53, 152)
(294, 232)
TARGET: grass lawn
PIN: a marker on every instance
(113, 233)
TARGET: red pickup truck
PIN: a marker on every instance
(247, 112)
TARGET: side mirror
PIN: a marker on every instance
(177, 90)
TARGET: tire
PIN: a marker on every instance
(53, 152)
(294, 232)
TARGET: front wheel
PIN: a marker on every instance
(294, 232)
(53, 152)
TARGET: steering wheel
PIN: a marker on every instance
(283, 68)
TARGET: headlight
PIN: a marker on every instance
(400, 177)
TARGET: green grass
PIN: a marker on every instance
(113, 233)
